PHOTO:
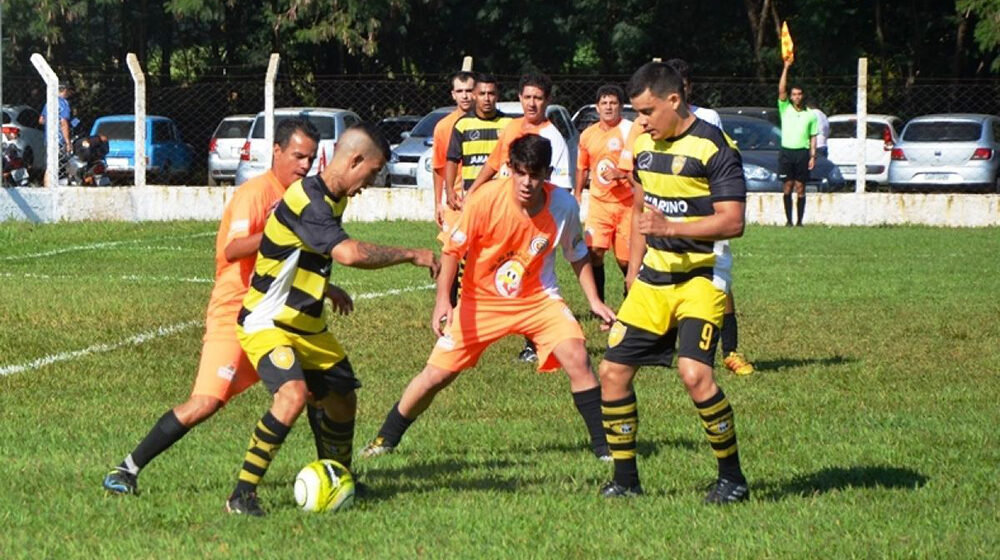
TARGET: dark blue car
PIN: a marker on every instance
(169, 158)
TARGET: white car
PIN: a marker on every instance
(254, 156)
(881, 137)
(225, 146)
(20, 127)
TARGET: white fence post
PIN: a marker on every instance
(51, 119)
(139, 168)
(272, 75)
(862, 132)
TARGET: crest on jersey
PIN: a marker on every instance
(537, 245)
(677, 165)
(508, 278)
(473, 135)
(614, 144)
(644, 161)
(602, 166)
(616, 334)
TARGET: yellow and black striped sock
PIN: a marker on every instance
(264, 445)
(621, 425)
(720, 430)
(337, 439)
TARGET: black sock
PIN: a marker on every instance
(720, 430)
(599, 280)
(395, 426)
(334, 440)
(264, 444)
(528, 343)
(621, 425)
(787, 199)
(588, 403)
(729, 343)
(167, 430)
(800, 208)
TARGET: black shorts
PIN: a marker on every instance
(338, 379)
(793, 165)
(692, 338)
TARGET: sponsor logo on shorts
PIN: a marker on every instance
(282, 357)
(446, 342)
(616, 334)
(677, 165)
(537, 245)
(227, 372)
(508, 278)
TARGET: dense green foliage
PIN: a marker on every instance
(867, 433)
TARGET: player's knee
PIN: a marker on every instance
(612, 374)
(197, 409)
(696, 376)
(291, 397)
(434, 379)
(596, 256)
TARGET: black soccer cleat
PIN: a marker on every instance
(121, 482)
(724, 491)
(612, 489)
(528, 355)
(245, 504)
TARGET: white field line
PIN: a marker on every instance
(101, 245)
(127, 277)
(159, 332)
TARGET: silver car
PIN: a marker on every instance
(20, 127)
(405, 165)
(957, 152)
(224, 148)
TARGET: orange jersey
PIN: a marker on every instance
(520, 127)
(626, 160)
(601, 147)
(245, 215)
(442, 137)
(508, 254)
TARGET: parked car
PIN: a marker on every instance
(881, 137)
(405, 159)
(21, 128)
(767, 113)
(759, 141)
(224, 148)
(957, 152)
(331, 123)
(396, 129)
(587, 115)
(169, 158)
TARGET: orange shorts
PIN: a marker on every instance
(608, 225)
(224, 371)
(475, 325)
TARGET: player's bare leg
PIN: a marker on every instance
(572, 356)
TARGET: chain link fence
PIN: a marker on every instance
(198, 108)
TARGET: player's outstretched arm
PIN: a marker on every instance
(441, 316)
(359, 254)
(585, 275)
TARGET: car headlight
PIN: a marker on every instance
(394, 157)
(756, 172)
(427, 164)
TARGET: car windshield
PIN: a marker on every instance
(116, 130)
(6, 118)
(752, 134)
(325, 124)
(849, 129)
(426, 125)
(233, 129)
(943, 131)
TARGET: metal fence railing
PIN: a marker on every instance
(198, 108)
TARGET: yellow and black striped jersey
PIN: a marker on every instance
(683, 177)
(472, 140)
(293, 263)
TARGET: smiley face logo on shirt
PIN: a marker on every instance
(508, 278)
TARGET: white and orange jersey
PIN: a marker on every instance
(509, 255)
(601, 147)
(520, 127)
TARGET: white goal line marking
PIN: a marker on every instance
(101, 245)
(159, 332)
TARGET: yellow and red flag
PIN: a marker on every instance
(787, 47)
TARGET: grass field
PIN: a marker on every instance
(870, 430)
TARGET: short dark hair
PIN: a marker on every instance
(375, 135)
(486, 78)
(531, 153)
(611, 89)
(461, 76)
(658, 78)
(538, 80)
(287, 127)
(682, 68)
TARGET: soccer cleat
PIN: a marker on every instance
(121, 482)
(603, 454)
(528, 355)
(724, 491)
(245, 504)
(376, 447)
(736, 363)
(612, 489)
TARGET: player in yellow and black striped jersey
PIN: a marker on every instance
(476, 133)
(281, 326)
(691, 198)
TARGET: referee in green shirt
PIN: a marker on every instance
(798, 145)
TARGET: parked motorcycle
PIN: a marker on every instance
(15, 172)
(86, 167)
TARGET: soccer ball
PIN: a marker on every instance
(324, 485)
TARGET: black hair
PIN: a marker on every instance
(682, 68)
(486, 78)
(540, 81)
(531, 153)
(461, 76)
(659, 78)
(611, 89)
(375, 135)
(287, 127)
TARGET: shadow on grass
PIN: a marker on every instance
(646, 447)
(453, 474)
(842, 478)
(782, 363)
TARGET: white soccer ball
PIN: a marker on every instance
(324, 485)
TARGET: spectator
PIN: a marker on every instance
(823, 127)
(65, 124)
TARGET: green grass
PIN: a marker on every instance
(870, 430)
